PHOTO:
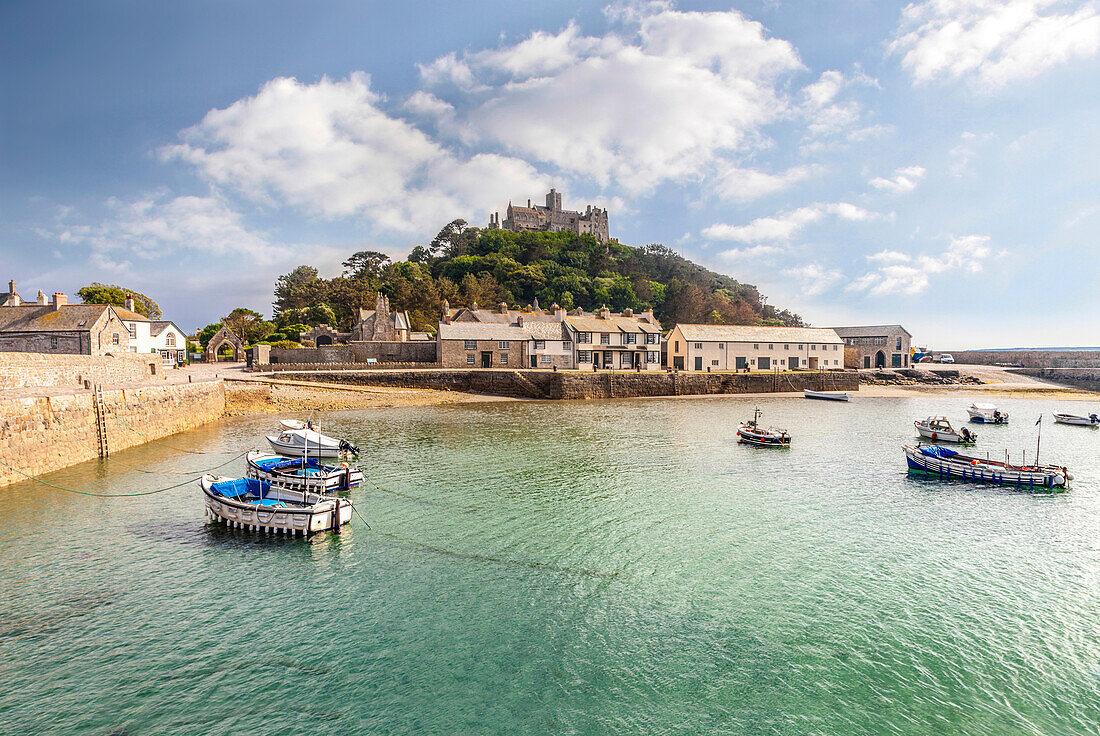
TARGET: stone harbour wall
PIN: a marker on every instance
(534, 384)
(1029, 358)
(414, 351)
(1086, 378)
(42, 434)
(33, 370)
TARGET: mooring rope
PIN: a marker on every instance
(150, 439)
(99, 495)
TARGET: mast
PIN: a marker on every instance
(1038, 439)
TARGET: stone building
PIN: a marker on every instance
(55, 326)
(373, 325)
(753, 348)
(555, 339)
(878, 346)
(552, 218)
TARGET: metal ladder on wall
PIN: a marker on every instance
(101, 421)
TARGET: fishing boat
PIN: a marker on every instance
(306, 474)
(944, 462)
(258, 505)
(939, 429)
(827, 395)
(1063, 418)
(986, 414)
(306, 442)
(751, 433)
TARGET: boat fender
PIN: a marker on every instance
(933, 435)
(973, 462)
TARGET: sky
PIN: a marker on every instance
(933, 163)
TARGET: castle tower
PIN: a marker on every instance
(553, 200)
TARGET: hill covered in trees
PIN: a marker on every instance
(464, 265)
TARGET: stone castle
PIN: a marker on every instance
(552, 218)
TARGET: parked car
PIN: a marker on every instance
(947, 358)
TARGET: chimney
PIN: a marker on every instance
(130, 302)
(628, 312)
(528, 204)
(473, 307)
(59, 300)
(519, 320)
(11, 287)
(559, 313)
(42, 301)
(605, 313)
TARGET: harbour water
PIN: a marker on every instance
(614, 567)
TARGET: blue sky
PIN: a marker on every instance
(931, 163)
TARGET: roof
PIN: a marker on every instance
(755, 333)
(158, 326)
(482, 331)
(401, 320)
(587, 323)
(545, 330)
(869, 330)
(44, 318)
(127, 316)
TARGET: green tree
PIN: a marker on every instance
(301, 287)
(208, 332)
(97, 293)
(366, 264)
(247, 324)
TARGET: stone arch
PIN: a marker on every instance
(323, 340)
(880, 359)
(224, 337)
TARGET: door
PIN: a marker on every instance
(486, 359)
(793, 362)
(678, 362)
(741, 363)
(608, 359)
(698, 363)
(764, 364)
(813, 364)
(534, 361)
(880, 359)
(866, 361)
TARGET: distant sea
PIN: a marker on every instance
(992, 350)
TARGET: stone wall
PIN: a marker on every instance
(285, 367)
(596, 385)
(1029, 358)
(1086, 378)
(39, 435)
(415, 351)
(24, 370)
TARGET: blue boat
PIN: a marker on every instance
(943, 462)
(303, 474)
(257, 505)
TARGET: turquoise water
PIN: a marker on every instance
(617, 567)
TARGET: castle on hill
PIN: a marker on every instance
(552, 218)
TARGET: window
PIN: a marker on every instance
(469, 344)
(813, 347)
(834, 347)
(897, 346)
(698, 346)
(676, 345)
(504, 345)
(800, 347)
(584, 356)
(584, 337)
(786, 347)
(714, 362)
(721, 346)
(53, 343)
(605, 338)
(114, 338)
(567, 346)
(470, 359)
(631, 338)
(544, 358)
(651, 338)
(170, 341)
(756, 346)
(540, 344)
(653, 357)
(771, 347)
(504, 358)
(133, 332)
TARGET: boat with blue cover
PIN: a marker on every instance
(944, 462)
(302, 474)
(258, 505)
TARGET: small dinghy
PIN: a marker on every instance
(986, 414)
(826, 395)
(939, 429)
(1090, 421)
(944, 462)
(751, 433)
(307, 443)
(307, 474)
(254, 504)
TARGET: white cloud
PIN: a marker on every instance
(428, 105)
(831, 120)
(903, 180)
(447, 70)
(750, 253)
(330, 150)
(814, 279)
(737, 184)
(905, 274)
(785, 226)
(663, 98)
(994, 42)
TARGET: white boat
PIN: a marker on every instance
(827, 395)
(253, 504)
(1091, 420)
(751, 433)
(306, 474)
(947, 463)
(940, 430)
(308, 443)
(986, 414)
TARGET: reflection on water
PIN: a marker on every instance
(538, 567)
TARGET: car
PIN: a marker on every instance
(947, 358)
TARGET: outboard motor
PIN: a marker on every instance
(1094, 419)
(346, 446)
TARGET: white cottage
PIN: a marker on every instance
(753, 348)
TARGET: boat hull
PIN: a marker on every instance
(941, 436)
(826, 395)
(974, 470)
(326, 514)
(309, 449)
(1075, 420)
(983, 418)
(763, 440)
